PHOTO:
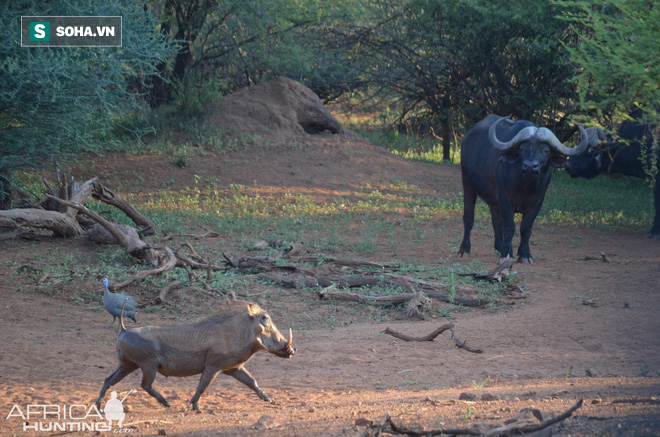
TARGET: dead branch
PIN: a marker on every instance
(166, 289)
(352, 297)
(565, 415)
(286, 281)
(134, 246)
(164, 265)
(503, 430)
(207, 234)
(418, 305)
(412, 433)
(105, 195)
(433, 335)
(604, 258)
(427, 285)
(100, 235)
(429, 337)
(184, 260)
(60, 224)
(316, 260)
(496, 274)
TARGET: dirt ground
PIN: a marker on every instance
(586, 330)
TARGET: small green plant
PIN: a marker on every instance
(469, 412)
(444, 313)
(645, 370)
(481, 384)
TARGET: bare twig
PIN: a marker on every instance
(433, 335)
(565, 415)
(496, 274)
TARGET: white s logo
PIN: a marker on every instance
(39, 31)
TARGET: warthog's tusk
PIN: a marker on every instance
(288, 343)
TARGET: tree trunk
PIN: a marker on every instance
(446, 130)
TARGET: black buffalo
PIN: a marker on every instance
(624, 156)
(509, 165)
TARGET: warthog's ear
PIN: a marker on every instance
(253, 309)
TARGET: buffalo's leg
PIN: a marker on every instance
(496, 219)
(244, 376)
(123, 369)
(208, 375)
(524, 254)
(148, 378)
(508, 226)
(469, 202)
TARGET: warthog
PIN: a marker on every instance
(223, 343)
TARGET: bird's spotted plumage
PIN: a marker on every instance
(114, 301)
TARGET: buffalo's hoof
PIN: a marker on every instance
(526, 260)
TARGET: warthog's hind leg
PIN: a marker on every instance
(148, 377)
(208, 375)
(123, 369)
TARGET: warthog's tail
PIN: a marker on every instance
(121, 317)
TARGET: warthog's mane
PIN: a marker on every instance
(229, 311)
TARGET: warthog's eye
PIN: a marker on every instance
(265, 320)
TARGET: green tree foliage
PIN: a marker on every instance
(452, 62)
(617, 57)
(232, 43)
(618, 64)
(54, 101)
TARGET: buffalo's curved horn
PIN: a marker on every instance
(290, 340)
(596, 137)
(523, 135)
(548, 137)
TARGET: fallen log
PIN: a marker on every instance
(134, 246)
(62, 225)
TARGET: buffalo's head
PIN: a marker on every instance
(588, 164)
(535, 147)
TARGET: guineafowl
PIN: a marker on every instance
(114, 301)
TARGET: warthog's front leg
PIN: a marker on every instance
(244, 376)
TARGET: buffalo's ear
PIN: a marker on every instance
(253, 309)
(559, 161)
(509, 158)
